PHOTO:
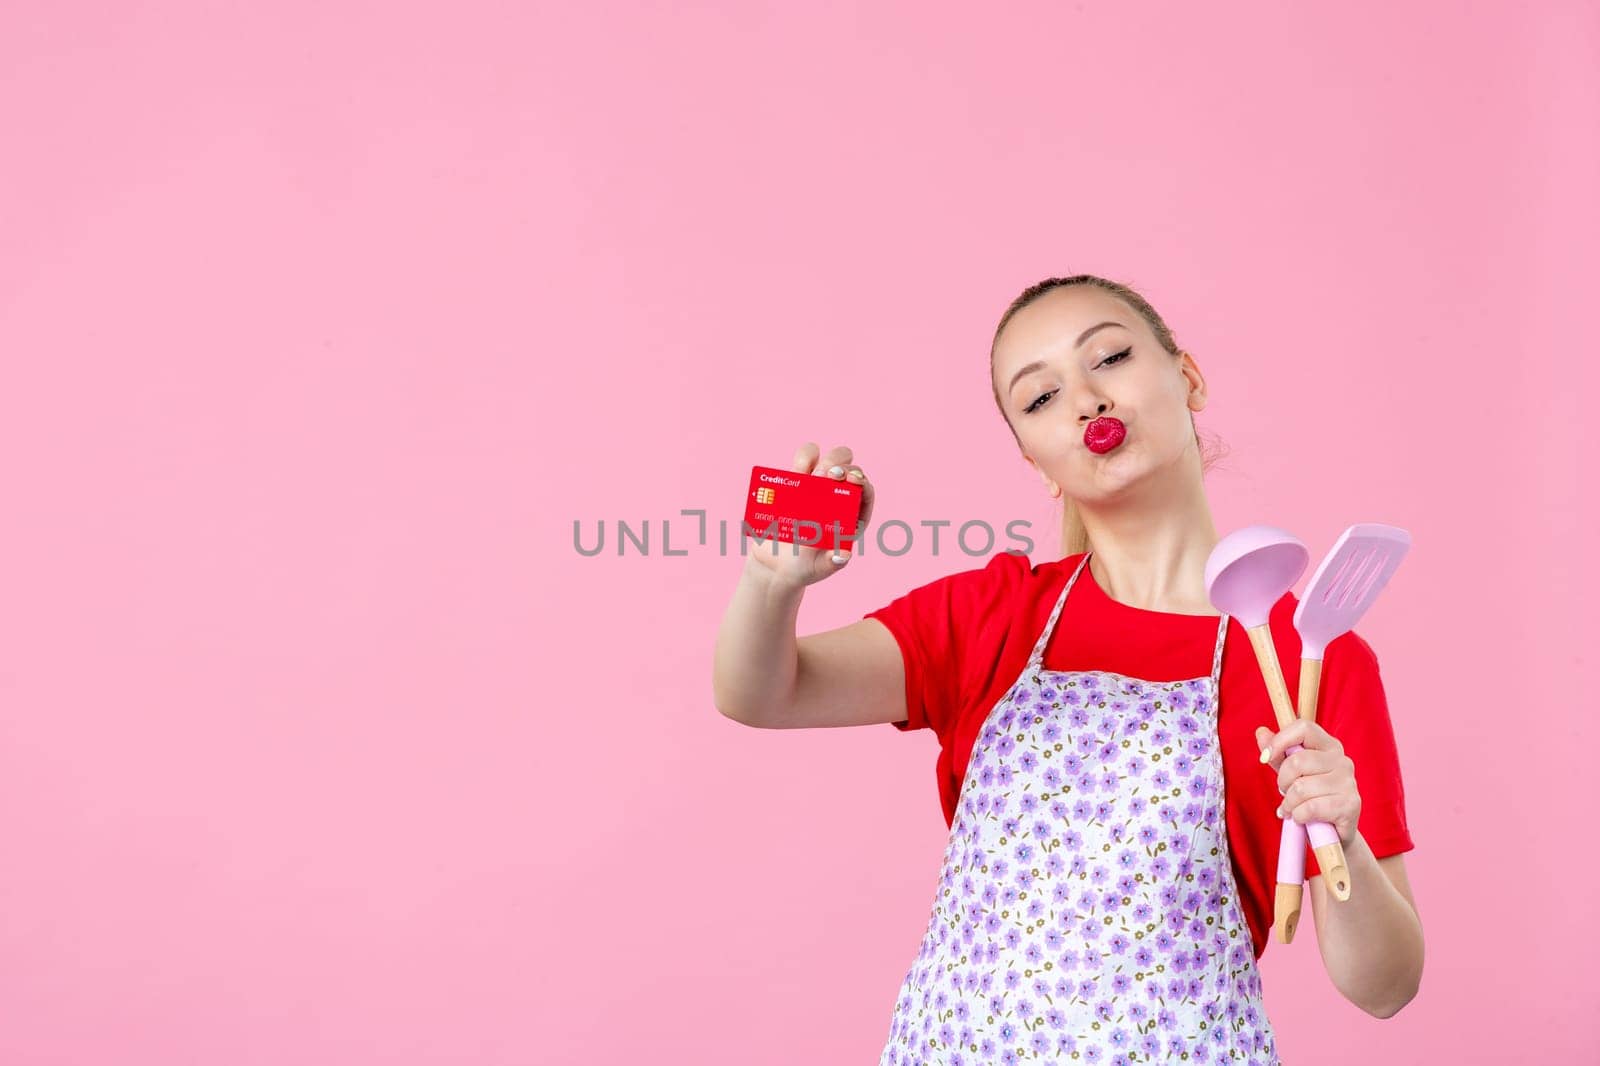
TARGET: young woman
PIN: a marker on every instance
(1107, 765)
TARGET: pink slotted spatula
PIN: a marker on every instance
(1345, 584)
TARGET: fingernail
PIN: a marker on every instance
(839, 558)
(1279, 812)
(1266, 754)
(835, 471)
(858, 475)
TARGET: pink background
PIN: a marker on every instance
(321, 324)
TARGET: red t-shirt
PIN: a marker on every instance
(967, 636)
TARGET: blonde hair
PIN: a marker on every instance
(1074, 537)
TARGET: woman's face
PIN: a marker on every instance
(1058, 366)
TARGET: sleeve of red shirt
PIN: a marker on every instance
(938, 625)
(1354, 709)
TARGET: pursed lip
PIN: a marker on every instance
(1111, 432)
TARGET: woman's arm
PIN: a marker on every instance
(1371, 943)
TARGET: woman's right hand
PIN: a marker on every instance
(798, 564)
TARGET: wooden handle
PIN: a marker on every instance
(1267, 656)
(1310, 683)
(1286, 912)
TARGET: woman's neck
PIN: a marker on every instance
(1154, 557)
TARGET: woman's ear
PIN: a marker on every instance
(1197, 382)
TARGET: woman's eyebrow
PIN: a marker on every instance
(1039, 364)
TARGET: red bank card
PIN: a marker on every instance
(806, 509)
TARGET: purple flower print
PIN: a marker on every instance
(1092, 1053)
(1119, 945)
(1069, 961)
(1142, 912)
(1103, 809)
(1160, 737)
(1125, 884)
(1013, 978)
(1081, 810)
(1048, 694)
(1007, 717)
(1041, 829)
(1119, 1037)
(1051, 732)
(1108, 781)
(1206, 877)
(1150, 1044)
(1160, 866)
(1006, 745)
(1197, 786)
(1161, 780)
(1010, 826)
(1143, 956)
(1072, 839)
(1024, 1010)
(1183, 765)
(1108, 751)
(1104, 1010)
(1191, 813)
(1058, 807)
(1072, 764)
(1005, 775)
(1027, 760)
(1110, 900)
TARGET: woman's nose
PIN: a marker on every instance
(1100, 409)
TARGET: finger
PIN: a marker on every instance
(869, 496)
(1327, 808)
(837, 456)
(1304, 763)
(1305, 790)
(805, 457)
(1286, 738)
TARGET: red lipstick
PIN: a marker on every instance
(1103, 434)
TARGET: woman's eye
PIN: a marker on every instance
(1116, 358)
(1035, 405)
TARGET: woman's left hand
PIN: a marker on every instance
(1318, 783)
